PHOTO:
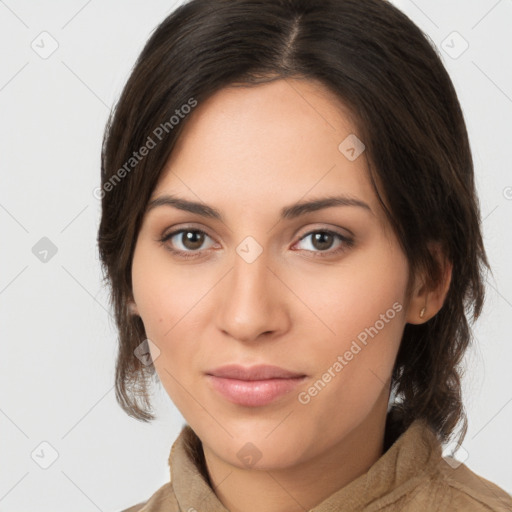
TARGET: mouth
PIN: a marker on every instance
(257, 372)
(254, 386)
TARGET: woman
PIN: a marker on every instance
(290, 231)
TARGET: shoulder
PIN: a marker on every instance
(162, 500)
(440, 483)
(467, 491)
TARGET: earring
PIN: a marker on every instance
(422, 312)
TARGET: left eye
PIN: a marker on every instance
(322, 241)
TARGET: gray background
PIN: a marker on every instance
(58, 339)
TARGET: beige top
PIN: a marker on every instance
(410, 476)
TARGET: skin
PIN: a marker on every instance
(248, 152)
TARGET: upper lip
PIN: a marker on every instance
(257, 372)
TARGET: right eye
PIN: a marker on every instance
(189, 239)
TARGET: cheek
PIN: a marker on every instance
(355, 365)
(169, 299)
(362, 303)
(164, 293)
(358, 293)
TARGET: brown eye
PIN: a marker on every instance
(186, 240)
(192, 240)
(322, 242)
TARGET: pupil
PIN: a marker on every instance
(193, 239)
(319, 240)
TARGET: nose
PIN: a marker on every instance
(252, 301)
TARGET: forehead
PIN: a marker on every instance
(277, 142)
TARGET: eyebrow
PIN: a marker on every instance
(288, 212)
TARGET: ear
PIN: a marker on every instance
(432, 299)
(132, 307)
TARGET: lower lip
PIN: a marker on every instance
(253, 393)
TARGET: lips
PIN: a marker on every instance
(258, 372)
(253, 386)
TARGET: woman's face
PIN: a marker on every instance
(318, 292)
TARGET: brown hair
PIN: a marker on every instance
(379, 64)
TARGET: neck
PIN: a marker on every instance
(304, 485)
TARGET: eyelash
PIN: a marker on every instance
(347, 243)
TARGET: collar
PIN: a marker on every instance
(409, 458)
